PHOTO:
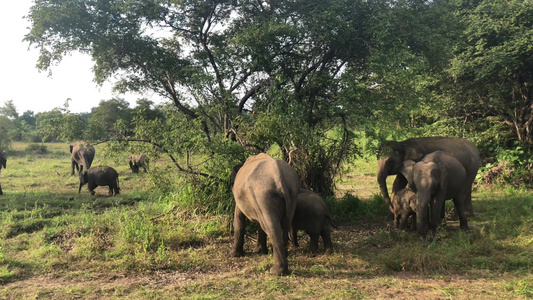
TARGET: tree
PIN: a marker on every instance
(259, 73)
(104, 118)
(492, 67)
(9, 110)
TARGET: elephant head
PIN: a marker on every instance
(393, 154)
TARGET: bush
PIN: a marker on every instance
(37, 149)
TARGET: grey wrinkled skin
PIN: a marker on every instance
(137, 161)
(265, 192)
(404, 205)
(100, 176)
(312, 215)
(394, 153)
(3, 161)
(436, 178)
(82, 156)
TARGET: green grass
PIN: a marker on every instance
(160, 243)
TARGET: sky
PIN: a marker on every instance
(30, 89)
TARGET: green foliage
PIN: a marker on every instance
(491, 67)
(351, 208)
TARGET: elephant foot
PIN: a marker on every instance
(279, 271)
(261, 250)
(237, 253)
(465, 228)
(328, 251)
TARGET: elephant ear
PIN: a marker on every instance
(387, 148)
(407, 171)
(412, 154)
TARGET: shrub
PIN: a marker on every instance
(37, 149)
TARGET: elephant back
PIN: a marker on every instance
(262, 177)
(83, 153)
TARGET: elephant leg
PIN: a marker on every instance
(279, 239)
(294, 236)
(261, 246)
(1, 193)
(403, 220)
(326, 238)
(239, 224)
(396, 220)
(413, 222)
(110, 193)
(469, 210)
(313, 244)
(459, 207)
(73, 165)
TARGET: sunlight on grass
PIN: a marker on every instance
(167, 236)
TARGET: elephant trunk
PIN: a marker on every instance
(383, 173)
(422, 213)
(79, 190)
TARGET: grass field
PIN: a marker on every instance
(146, 244)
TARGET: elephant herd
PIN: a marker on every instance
(428, 171)
(82, 156)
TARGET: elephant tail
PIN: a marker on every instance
(331, 221)
(118, 186)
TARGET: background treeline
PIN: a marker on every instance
(318, 82)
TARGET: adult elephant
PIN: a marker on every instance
(265, 191)
(436, 178)
(82, 156)
(415, 149)
(137, 161)
(3, 160)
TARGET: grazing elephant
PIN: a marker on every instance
(100, 176)
(137, 161)
(415, 149)
(265, 191)
(404, 205)
(82, 156)
(436, 178)
(3, 160)
(312, 215)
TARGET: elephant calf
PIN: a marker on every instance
(100, 176)
(404, 204)
(137, 161)
(312, 215)
(436, 178)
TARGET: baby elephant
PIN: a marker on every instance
(138, 161)
(404, 204)
(312, 215)
(100, 176)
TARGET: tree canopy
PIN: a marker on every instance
(305, 76)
